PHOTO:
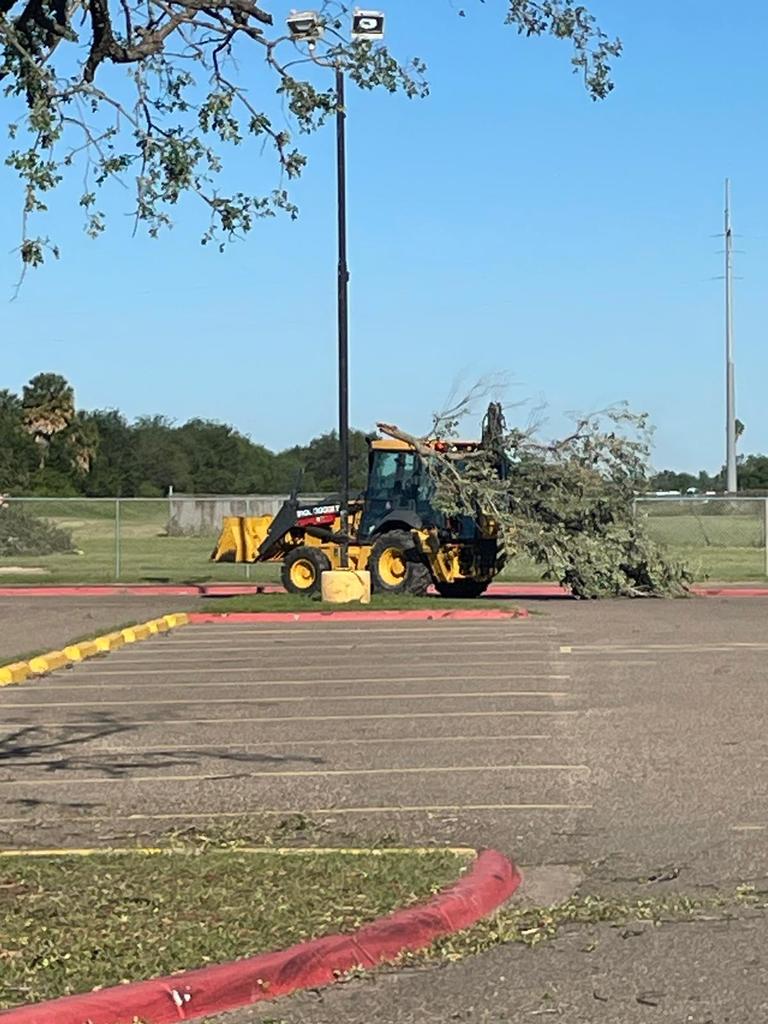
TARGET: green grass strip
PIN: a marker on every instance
(70, 924)
(262, 603)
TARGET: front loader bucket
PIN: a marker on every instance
(240, 538)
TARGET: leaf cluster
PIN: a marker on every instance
(568, 504)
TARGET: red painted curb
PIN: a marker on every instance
(492, 880)
(143, 590)
(415, 615)
(519, 590)
(99, 590)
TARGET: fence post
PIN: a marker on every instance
(117, 539)
(765, 533)
(248, 564)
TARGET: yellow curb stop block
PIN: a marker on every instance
(177, 619)
(15, 673)
(134, 633)
(109, 642)
(45, 663)
(73, 653)
(81, 651)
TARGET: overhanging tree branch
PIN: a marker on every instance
(192, 102)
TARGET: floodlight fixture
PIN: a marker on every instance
(305, 26)
(368, 25)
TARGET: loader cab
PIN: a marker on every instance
(397, 482)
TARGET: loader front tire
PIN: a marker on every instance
(302, 570)
(396, 566)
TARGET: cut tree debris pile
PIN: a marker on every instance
(568, 504)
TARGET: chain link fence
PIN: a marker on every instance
(98, 540)
(721, 537)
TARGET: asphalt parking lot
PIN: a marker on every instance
(628, 734)
(441, 726)
(621, 743)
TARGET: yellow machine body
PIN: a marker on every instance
(403, 553)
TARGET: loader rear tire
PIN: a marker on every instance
(467, 589)
(396, 566)
(302, 569)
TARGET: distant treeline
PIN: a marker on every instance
(49, 447)
(752, 473)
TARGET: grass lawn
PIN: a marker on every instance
(147, 553)
(718, 547)
(380, 603)
(69, 924)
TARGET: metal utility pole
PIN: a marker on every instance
(730, 385)
(343, 313)
(309, 27)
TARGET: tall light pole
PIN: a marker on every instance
(309, 27)
(343, 313)
(731, 484)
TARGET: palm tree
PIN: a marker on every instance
(82, 437)
(48, 408)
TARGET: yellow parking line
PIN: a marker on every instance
(316, 643)
(154, 672)
(298, 774)
(310, 699)
(169, 748)
(283, 812)
(749, 828)
(279, 851)
(231, 656)
(685, 648)
(215, 684)
(308, 718)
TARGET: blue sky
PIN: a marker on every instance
(507, 224)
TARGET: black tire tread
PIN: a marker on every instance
(417, 579)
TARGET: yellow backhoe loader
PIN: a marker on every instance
(394, 532)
